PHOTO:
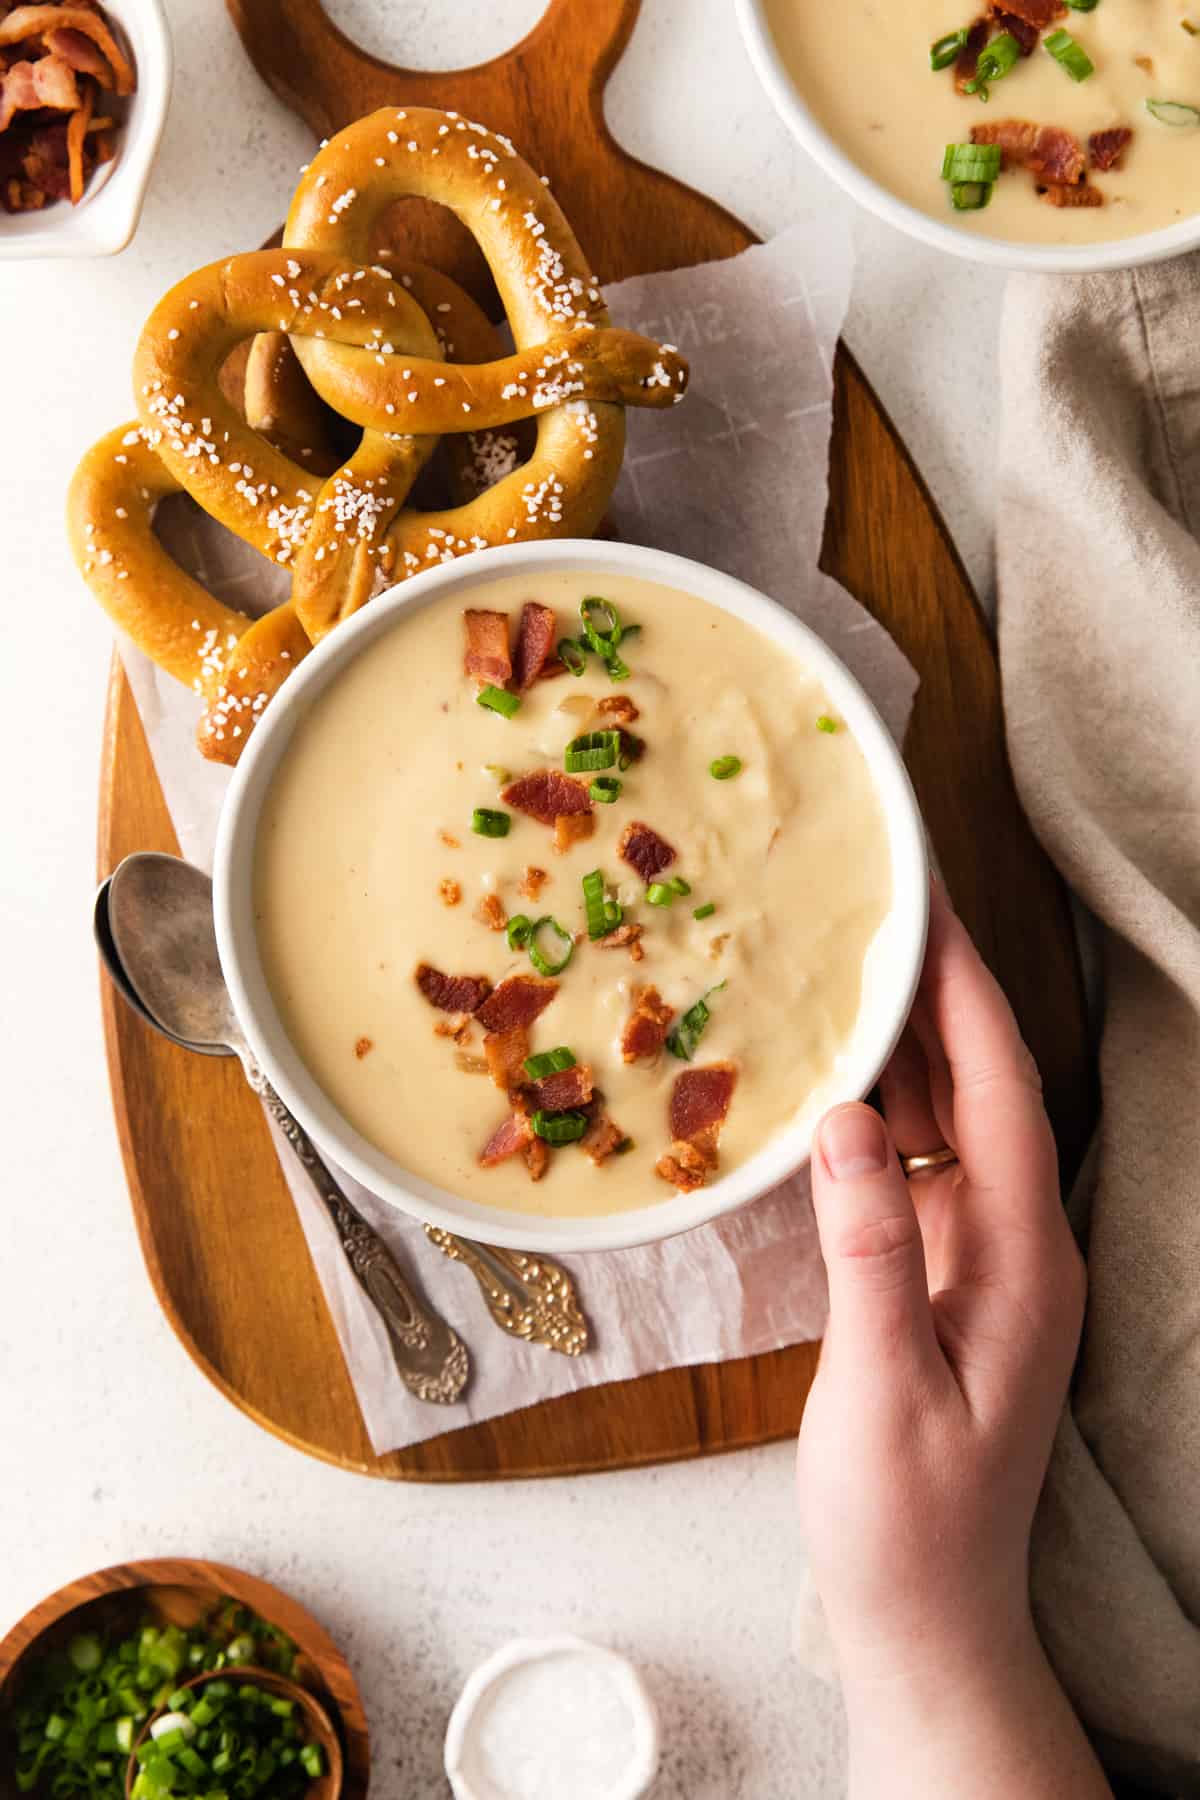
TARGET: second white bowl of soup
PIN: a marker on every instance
(570, 960)
(1088, 119)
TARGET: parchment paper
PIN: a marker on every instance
(735, 477)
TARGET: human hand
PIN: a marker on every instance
(956, 1301)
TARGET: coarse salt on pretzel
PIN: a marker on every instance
(370, 345)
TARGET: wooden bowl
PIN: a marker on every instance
(320, 1728)
(179, 1591)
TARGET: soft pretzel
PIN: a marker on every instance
(400, 352)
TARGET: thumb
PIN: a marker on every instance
(871, 1241)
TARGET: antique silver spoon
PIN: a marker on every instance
(529, 1296)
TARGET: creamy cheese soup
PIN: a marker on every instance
(863, 66)
(369, 876)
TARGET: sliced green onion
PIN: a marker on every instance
(706, 911)
(312, 1760)
(970, 196)
(617, 670)
(559, 1128)
(1069, 55)
(518, 931)
(687, 1034)
(678, 885)
(1173, 112)
(971, 162)
(946, 50)
(498, 701)
(592, 750)
(537, 955)
(500, 775)
(725, 767)
(604, 637)
(549, 1062)
(1083, 5)
(487, 822)
(594, 905)
(85, 1652)
(614, 912)
(825, 723)
(573, 655)
(604, 790)
(660, 894)
(995, 61)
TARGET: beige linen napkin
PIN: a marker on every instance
(1099, 572)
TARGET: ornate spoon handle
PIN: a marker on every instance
(431, 1359)
(530, 1297)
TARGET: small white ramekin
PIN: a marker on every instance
(106, 218)
(998, 253)
(889, 978)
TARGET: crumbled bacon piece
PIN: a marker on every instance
(487, 657)
(646, 1030)
(1047, 151)
(506, 1052)
(450, 841)
(967, 61)
(1027, 35)
(535, 643)
(1038, 13)
(452, 993)
(631, 748)
(1106, 148)
(363, 1047)
(1084, 195)
(624, 935)
(642, 848)
(700, 1099)
(29, 86)
(621, 708)
(683, 1166)
(564, 1090)
(537, 1157)
(547, 795)
(602, 1139)
(450, 891)
(457, 1026)
(490, 912)
(572, 828)
(532, 882)
(511, 1135)
(518, 1001)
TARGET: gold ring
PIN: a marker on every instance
(933, 1159)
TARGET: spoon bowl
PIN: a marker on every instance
(160, 923)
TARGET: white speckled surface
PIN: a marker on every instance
(113, 1444)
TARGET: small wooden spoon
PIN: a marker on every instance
(320, 1730)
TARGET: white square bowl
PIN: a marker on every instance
(106, 218)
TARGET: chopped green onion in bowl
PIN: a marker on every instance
(723, 768)
(1176, 113)
(499, 700)
(1069, 55)
(945, 50)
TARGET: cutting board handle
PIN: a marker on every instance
(322, 75)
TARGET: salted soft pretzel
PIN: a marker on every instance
(384, 344)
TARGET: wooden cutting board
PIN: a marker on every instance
(218, 1228)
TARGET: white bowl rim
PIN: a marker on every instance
(107, 216)
(783, 1155)
(999, 253)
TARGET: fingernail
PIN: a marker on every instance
(853, 1142)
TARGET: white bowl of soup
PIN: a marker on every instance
(563, 888)
(1077, 138)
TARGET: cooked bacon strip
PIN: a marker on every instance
(546, 795)
(505, 1052)
(36, 21)
(28, 86)
(572, 828)
(452, 993)
(646, 1030)
(1047, 151)
(564, 1090)
(1027, 35)
(601, 1139)
(77, 126)
(1038, 13)
(966, 63)
(535, 643)
(700, 1100)
(642, 848)
(1106, 148)
(487, 657)
(510, 1136)
(684, 1166)
(624, 935)
(1084, 195)
(79, 50)
(518, 1001)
